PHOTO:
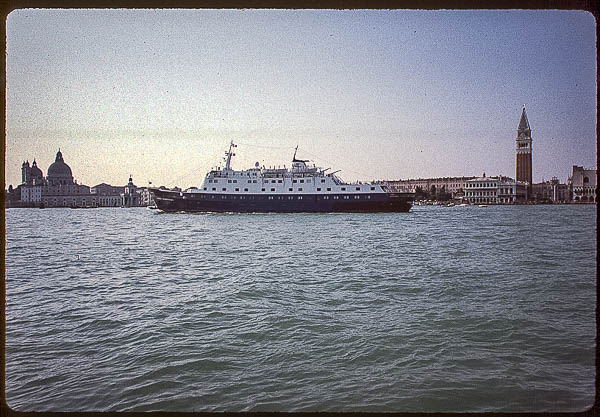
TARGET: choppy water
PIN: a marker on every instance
(439, 309)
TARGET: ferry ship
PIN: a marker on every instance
(300, 188)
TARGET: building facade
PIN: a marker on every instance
(549, 192)
(495, 190)
(146, 197)
(31, 194)
(57, 189)
(452, 185)
(130, 196)
(583, 185)
(107, 195)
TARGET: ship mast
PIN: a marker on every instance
(228, 155)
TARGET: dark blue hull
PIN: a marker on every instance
(172, 201)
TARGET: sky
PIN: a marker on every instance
(377, 94)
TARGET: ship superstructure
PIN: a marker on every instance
(298, 188)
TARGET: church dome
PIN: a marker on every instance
(59, 171)
(35, 171)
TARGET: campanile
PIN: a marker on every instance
(523, 150)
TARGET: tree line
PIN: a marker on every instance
(433, 194)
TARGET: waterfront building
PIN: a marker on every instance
(146, 197)
(550, 192)
(30, 190)
(523, 166)
(451, 185)
(57, 189)
(107, 195)
(61, 190)
(130, 196)
(12, 196)
(583, 185)
(31, 194)
(495, 190)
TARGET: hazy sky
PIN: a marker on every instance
(378, 94)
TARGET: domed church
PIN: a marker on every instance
(31, 174)
(59, 173)
(58, 189)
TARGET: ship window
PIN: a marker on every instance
(346, 197)
(245, 189)
(307, 180)
(325, 198)
(215, 181)
(300, 189)
(318, 189)
(302, 181)
(279, 181)
(224, 189)
(335, 197)
(291, 189)
(229, 181)
(300, 198)
(214, 189)
(249, 181)
(343, 188)
(272, 189)
(356, 196)
(237, 189)
(368, 196)
(262, 189)
(295, 181)
(234, 180)
(329, 189)
(273, 181)
(254, 181)
(290, 197)
(357, 188)
(204, 188)
(372, 188)
(222, 196)
(322, 180)
(270, 197)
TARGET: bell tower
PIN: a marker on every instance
(523, 150)
(25, 173)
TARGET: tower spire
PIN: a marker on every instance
(523, 123)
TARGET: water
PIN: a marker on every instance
(440, 309)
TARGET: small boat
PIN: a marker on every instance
(151, 207)
(482, 205)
